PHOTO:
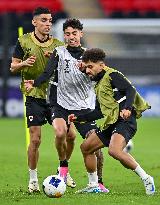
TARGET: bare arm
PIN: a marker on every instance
(18, 64)
(48, 72)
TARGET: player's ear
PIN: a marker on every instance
(102, 64)
(81, 33)
(34, 22)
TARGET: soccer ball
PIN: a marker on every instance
(54, 186)
(129, 146)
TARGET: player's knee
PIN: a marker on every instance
(71, 137)
(35, 143)
(60, 133)
(35, 137)
(113, 152)
(84, 149)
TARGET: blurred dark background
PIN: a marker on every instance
(132, 49)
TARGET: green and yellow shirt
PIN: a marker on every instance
(32, 47)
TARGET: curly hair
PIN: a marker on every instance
(94, 55)
(40, 10)
(74, 23)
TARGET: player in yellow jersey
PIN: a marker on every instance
(120, 105)
(30, 57)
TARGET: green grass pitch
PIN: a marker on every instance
(125, 187)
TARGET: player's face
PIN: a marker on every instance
(42, 23)
(92, 69)
(73, 36)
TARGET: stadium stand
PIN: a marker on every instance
(131, 8)
(19, 6)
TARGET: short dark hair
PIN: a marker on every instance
(94, 55)
(74, 23)
(40, 10)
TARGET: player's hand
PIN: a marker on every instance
(28, 84)
(47, 54)
(81, 65)
(29, 61)
(125, 114)
(71, 118)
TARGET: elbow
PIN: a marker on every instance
(12, 70)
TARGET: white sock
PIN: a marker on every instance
(33, 175)
(93, 178)
(141, 172)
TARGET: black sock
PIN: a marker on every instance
(64, 163)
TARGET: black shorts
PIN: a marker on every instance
(83, 128)
(38, 112)
(127, 128)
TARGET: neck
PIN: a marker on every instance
(99, 76)
(73, 47)
(41, 37)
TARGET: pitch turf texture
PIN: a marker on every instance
(125, 187)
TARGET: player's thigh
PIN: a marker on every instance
(117, 142)
(59, 120)
(60, 126)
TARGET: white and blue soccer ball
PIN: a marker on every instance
(54, 186)
(129, 147)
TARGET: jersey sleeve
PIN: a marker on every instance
(18, 51)
(49, 70)
(123, 85)
(91, 116)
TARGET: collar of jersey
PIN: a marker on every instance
(42, 44)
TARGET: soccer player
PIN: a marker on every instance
(30, 56)
(74, 91)
(119, 106)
